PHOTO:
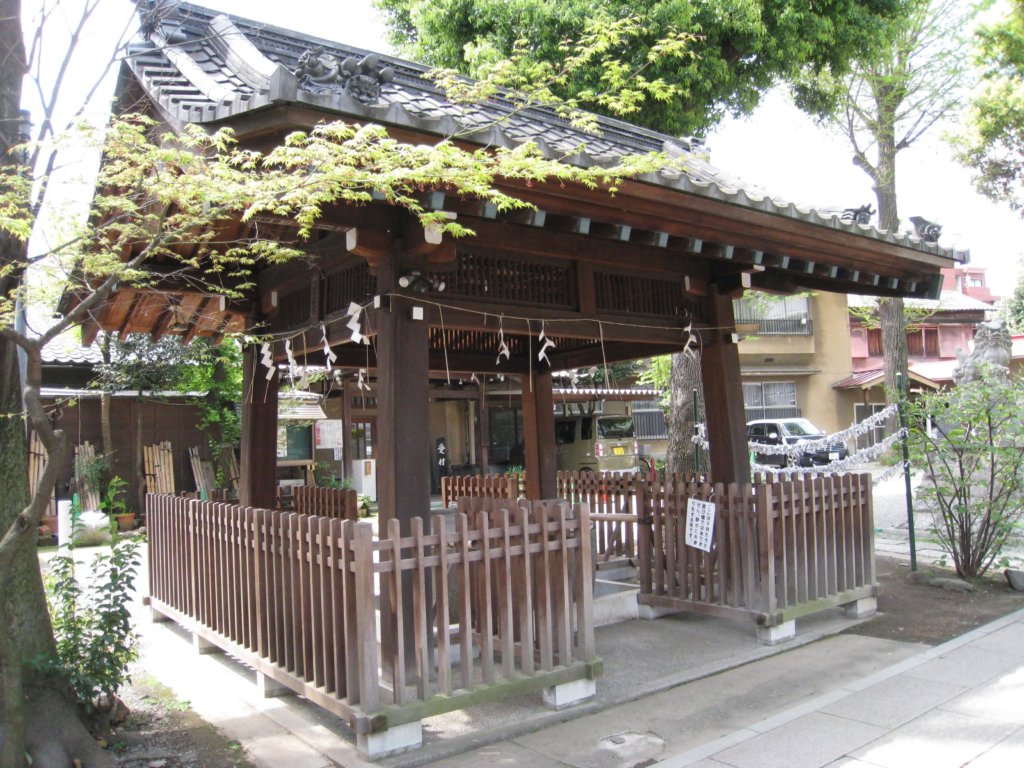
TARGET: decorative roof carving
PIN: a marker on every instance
(362, 79)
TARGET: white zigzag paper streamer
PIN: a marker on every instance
(546, 344)
(267, 361)
(502, 346)
(329, 355)
(354, 323)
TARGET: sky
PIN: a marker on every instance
(777, 149)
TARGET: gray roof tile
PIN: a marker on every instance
(411, 99)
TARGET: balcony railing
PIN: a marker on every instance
(779, 326)
(790, 316)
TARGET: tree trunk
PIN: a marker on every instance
(893, 321)
(40, 717)
(891, 315)
(683, 455)
(106, 428)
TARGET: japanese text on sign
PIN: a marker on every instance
(700, 524)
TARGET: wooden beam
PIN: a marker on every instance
(646, 206)
(650, 260)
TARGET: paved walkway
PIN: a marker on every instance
(957, 704)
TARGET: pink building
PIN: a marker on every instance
(941, 328)
(969, 281)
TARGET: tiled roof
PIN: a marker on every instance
(876, 376)
(948, 301)
(202, 67)
(66, 348)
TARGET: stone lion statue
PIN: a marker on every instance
(992, 349)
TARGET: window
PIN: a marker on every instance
(770, 400)
(977, 282)
(362, 439)
(565, 432)
(923, 342)
(874, 342)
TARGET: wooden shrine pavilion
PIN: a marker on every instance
(650, 270)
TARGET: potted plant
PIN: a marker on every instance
(114, 505)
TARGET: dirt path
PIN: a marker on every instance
(924, 613)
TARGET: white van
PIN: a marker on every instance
(595, 443)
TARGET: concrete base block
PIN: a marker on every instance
(202, 646)
(269, 688)
(777, 634)
(401, 738)
(567, 694)
(858, 609)
(157, 617)
(651, 612)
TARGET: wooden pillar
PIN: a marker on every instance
(539, 436)
(723, 396)
(257, 484)
(403, 374)
(483, 429)
(347, 447)
(403, 445)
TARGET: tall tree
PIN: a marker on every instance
(894, 96)
(741, 49)
(993, 142)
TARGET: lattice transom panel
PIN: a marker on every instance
(486, 343)
(353, 283)
(644, 296)
(499, 278)
(297, 307)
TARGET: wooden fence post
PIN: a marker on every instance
(585, 582)
(645, 539)
(366, 619)
(764, 499)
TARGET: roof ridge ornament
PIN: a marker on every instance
(152, 15)
(362, 79)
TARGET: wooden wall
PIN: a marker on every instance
(171, 420)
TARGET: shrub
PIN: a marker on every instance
(970, 442)
(91, 622)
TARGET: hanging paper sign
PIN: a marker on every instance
(328, 433)
(700, 524)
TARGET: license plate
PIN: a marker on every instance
(834, 456)
(618, 450)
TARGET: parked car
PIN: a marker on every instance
(595, 443)
(792, 432)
